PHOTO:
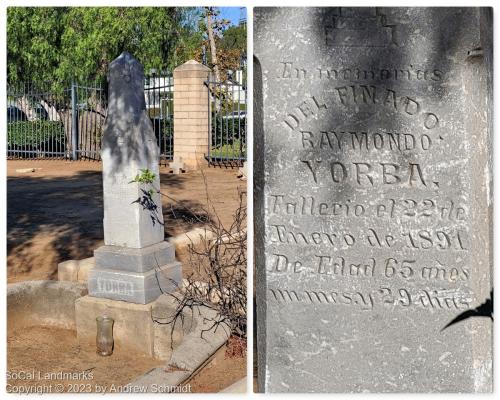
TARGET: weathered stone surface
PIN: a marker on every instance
(177, 165)
(75, 270)
(237, 387)
(373, 199)
(42, 303)
(136, 326)
(136, 260)
(199, 343)
(128, 146)
(135, 287)
(135, 264)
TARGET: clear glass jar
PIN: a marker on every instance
(104, 338)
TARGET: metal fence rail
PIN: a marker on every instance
(68, 122)
(228, 122)
(88, 108)
(159, 94)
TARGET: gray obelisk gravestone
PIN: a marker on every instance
(373, 199)
(135, 264)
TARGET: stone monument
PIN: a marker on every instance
(373, 199)
(135, 264)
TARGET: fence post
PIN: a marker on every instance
(74, 122)
(191, 113)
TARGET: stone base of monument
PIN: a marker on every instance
(135, 275)
(78, 270)
(135, 287)
(138, 327)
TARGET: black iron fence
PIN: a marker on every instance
(88, 111)
(68, 121)
(228, 123)
(38, 122)
(159, 94)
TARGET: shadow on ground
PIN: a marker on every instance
(51, 219)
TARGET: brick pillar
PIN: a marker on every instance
(191, 114)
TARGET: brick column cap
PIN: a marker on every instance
(192, 65)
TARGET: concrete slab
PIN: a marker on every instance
(192, 237)
(75, 270)
(26, 170)
(43, 303)
(196, 348)
(237, 387)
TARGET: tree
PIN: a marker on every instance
(235, 37)
(228, 43)
(33, 42)
(212, 12)
(59, 44)
(51, 46)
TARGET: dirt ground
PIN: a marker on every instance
(219, 375)
(55, 213)
(227, 366)
(41, 351)
(51, 350)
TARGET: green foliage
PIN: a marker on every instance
(235, 149)
(167, 109)
(167, 126)
(226, 99)
(58, 44)
(230, 41)
(33, 134)
(33, 37)
(146, 176)
(227, 130)
(232, 48)
(228, 137)
(235, 37)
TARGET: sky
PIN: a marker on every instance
(232, 14)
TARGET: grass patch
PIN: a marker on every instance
(233, 150)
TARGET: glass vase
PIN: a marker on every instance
(104, 338)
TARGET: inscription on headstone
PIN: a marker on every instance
(372, 199)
